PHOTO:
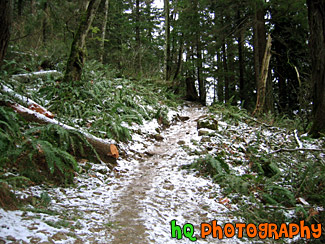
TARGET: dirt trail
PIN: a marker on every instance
(157, 191)
(136, 205)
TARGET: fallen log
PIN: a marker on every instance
(105, 149)
(29, 102)
(35, 75)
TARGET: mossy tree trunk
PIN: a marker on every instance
(77, 54)
(262, 81)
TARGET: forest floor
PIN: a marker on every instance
(210, 164)
(136, 204)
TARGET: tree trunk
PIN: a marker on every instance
(191, 93)
(262, 82)
(137, 37)
(148, 18)
(201, 79)
(33, 7)
(180, 58)
(102, 43)
(77, 54)
(225, 70)
(218, 74)
(167, 62)
(5, 23)
(45, 22)
(242, 90)
(220, 84)
(316, 16)
(199, 59)
(231, 71)
(259, 38)
(19, 7)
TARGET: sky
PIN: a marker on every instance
(159, 3)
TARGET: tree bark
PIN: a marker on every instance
(259, 39)
(201, 79)
(167, 62)
(199, 59)
(137, 37)
(231, 71)
(45, 22)
(220, 83)
(316, 17)
(262, 82)
(5, 23)
(242, 90)
(102, 43)
(225, 71)
(19, 7)
(179, 59)
(77, 54)
(191, 93)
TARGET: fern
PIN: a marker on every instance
(44, 157)
(41, 152)
(279, 195)
(10, 133)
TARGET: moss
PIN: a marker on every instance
(8, 199)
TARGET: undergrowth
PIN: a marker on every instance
(104, 106)
(270, 187)
(100, 104)
(38, 154)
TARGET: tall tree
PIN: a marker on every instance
(77, 54)
(262, 81)
(167, 61)
(19, 7)
(316, 15)
(5, 23)
(225, 70)
(259, 37)
(137, 36)
(240, 39)
(290, 30)
(45, 21)
(198, 47)
(102, 43)
(264, 101)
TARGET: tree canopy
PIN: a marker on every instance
(217, 45)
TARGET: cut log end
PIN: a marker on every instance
(113, 151)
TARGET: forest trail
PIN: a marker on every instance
(156, 191)
(136, 204)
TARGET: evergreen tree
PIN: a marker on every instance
(5, 23)
(316, 15)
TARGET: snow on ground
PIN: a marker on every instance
(137, 202)
(148, 188)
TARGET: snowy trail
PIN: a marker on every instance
(158, 192)
(136, 205)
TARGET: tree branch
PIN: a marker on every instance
(297, 149)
